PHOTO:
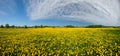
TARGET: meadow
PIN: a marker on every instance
(59, 42)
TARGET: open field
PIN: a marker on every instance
(60, 41)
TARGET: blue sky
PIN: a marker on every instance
(37, 12)
(19, 17)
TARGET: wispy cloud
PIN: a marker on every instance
(104, 12)
(7, 7)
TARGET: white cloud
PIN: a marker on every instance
(104, 12)
(7, 7)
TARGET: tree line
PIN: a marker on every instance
(25, 26)
(67, 26)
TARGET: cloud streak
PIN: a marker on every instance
(7, 7)
(104, 12)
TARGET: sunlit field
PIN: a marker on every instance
(60, 41)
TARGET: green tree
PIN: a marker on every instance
(41, 26)
(69, 26)
(25, 26)
(94, 26)
(36, 26)
(2, 26)
(7, 25)
(13, 26)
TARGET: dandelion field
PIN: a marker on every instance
(60, 42)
